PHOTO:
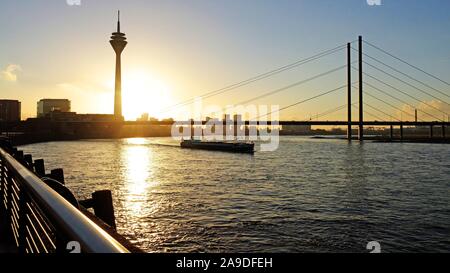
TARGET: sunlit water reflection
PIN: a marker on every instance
(308, 196)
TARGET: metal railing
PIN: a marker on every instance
(40, 219)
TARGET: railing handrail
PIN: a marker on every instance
(63, 215)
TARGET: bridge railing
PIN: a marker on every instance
(41, 220)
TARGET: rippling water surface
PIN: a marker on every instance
(309, 196)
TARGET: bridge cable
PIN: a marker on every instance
(383, 101)
(405, 62)
(404, 93)
(415, 87)
(286, 87)
(331, 111)
(378, 110)
(369, 113)
(400, 100)
(303, 101)
(406, 75)
(325, 113)
(293, 85)
(397, 108)
(258, 77)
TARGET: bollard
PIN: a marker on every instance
(29, 160)
(58, 175)
(39, 167)
(103, 207)
(18, 155)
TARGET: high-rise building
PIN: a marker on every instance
(226, 118)
(118, 42)
(46, 106)
(144, 117)
(10, 110)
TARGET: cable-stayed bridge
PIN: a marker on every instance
(425, 113)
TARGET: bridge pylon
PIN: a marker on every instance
(361, 102)
(349, 91)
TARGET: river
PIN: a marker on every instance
(310, 195)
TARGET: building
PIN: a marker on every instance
(227, 118)
(46, 106)
(237, 117)
(57, 116)
(296, 129)
(144, 117)
(10, 110)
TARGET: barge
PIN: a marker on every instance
(234, 147)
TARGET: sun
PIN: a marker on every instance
(143, 93)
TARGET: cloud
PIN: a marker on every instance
(10, 72)
(427, 111)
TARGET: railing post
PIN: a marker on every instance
(443, 131)
(391, 131)
(431, 131)
(29, 160)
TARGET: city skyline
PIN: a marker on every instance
(167, 64)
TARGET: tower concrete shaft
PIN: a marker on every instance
(118, 42)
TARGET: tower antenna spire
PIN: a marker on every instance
(118, 21)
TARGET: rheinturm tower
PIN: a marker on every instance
(118, 42)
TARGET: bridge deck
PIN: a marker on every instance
(308, 122)
(282, 122)
(313, 123)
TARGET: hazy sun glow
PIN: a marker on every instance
(143, 93)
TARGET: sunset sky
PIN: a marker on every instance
(181, 49)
